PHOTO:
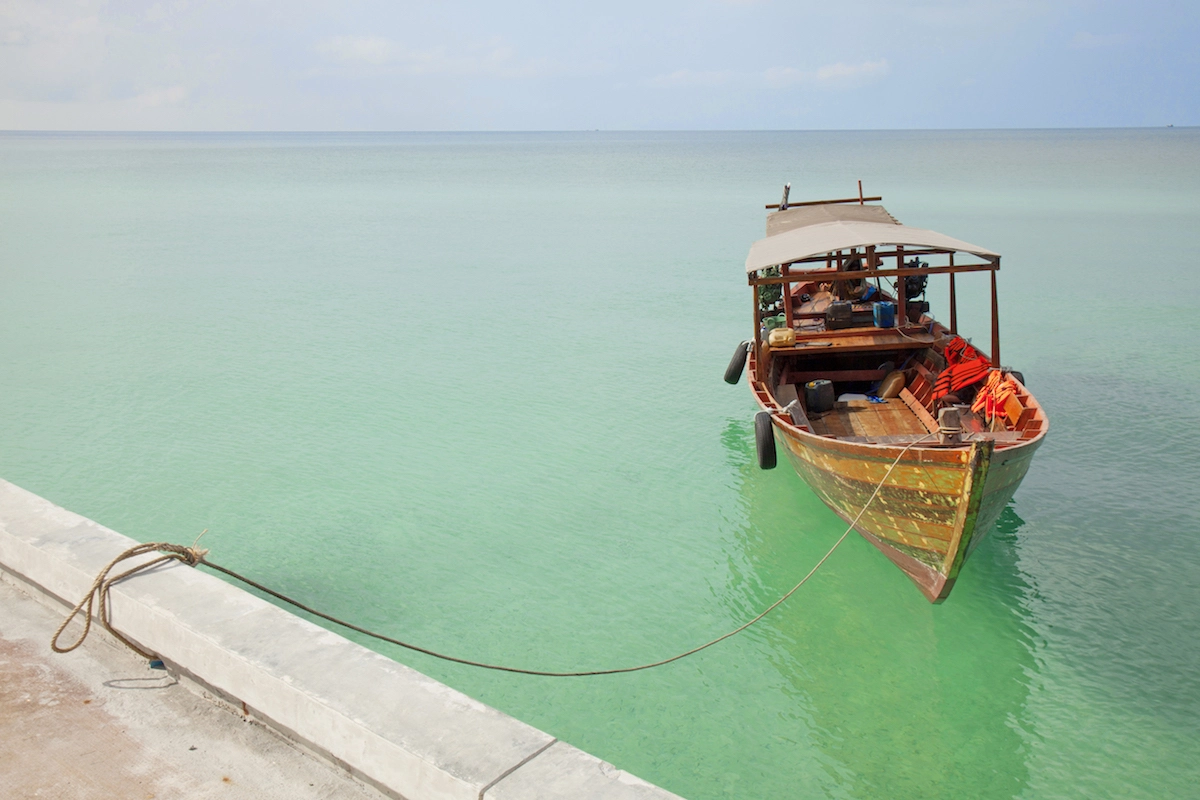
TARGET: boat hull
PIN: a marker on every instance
(933, 509)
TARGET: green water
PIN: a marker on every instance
(466, 389)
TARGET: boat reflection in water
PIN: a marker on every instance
(902, 698)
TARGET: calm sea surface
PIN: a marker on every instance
(466, 389)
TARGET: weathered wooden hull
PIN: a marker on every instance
(934, 508)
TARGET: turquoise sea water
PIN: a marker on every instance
(466, 389)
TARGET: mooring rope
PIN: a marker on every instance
(171, 552)
(193, 556)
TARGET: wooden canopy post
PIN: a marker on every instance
(755, 288)
(995, 324)
(901, 297)
(787, 296)
(954, 300)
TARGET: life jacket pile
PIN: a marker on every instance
(993, 396)
(965, 366)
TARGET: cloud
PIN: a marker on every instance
(687, 77)
(1092, 41)
(840, 71)
(358, 49)
(152, 98)
(377, 55)
(779, 77)
(830, 75)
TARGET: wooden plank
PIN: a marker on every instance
(857, 339)
(1012, 410)
(858, 418)
(900, 418)
(924, 416)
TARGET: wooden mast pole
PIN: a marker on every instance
(953, 301)
(787, 296)
(995, 323)
(757, 322)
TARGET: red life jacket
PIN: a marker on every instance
(964, 366)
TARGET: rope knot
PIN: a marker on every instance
(193, 555)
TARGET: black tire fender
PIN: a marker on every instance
(764, 439)
(733, 373)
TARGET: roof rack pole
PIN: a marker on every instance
(995, 324)
(757, 322)
(787, 295)
(860, 194)
(953, 301)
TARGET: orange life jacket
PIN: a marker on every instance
(993, 396)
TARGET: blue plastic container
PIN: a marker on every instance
(885, 314)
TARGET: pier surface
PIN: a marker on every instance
(98, 723)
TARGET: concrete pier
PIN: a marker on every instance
(99, 724)
(386, 725)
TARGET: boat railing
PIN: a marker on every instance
(833, 271)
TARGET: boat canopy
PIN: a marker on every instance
(803, 232)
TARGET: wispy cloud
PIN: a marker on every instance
(171, 95)
(830, 75)
(688, 77)
(378, 54)
(358, 49)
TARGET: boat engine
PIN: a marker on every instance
(914, 287)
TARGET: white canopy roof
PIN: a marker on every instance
(841, 228)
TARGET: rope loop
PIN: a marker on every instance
(191, 556)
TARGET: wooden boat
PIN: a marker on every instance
(964, 435)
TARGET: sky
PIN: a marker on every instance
(613, 65)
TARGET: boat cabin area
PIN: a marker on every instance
(845, 346)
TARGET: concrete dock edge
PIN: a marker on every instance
(403, 732)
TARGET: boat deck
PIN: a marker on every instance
(867, 419)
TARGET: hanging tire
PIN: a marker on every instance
(764, 440)
(733, 373)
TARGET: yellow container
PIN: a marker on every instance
(782, 337)
(892, 385)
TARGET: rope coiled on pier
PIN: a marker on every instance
(100, 588)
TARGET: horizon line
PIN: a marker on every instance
(581, 130)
